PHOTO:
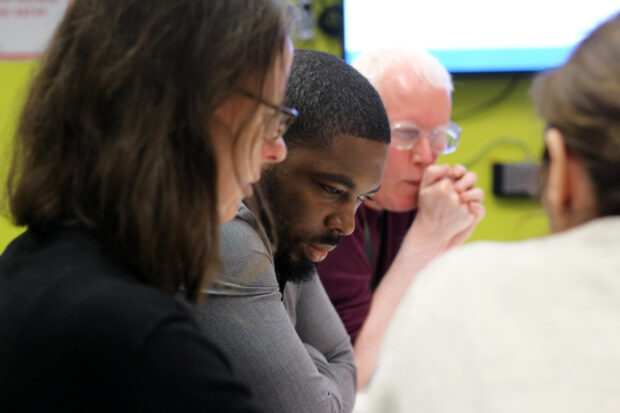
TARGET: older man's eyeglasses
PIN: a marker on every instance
(443, 139)
(282, 119)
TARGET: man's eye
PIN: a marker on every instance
(406, 133)
(363, 198)
(331, 190)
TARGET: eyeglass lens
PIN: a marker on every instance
(278, 124)
(407, 138)
(441, 140)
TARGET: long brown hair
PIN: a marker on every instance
(582, 100)
(114, 135)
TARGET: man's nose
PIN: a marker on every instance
(421, 153)
(343, 221)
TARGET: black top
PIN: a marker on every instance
(78, 333)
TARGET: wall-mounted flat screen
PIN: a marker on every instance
(475, 35)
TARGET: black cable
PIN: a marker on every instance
(489, 103)
(504, 140)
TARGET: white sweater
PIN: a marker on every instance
(530, 326)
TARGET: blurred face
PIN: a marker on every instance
(428, 108)
(253, 119)
(314, 194)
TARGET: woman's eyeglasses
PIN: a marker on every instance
(282, 120)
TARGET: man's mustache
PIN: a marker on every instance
(327, 239)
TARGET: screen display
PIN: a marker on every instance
(475, 35)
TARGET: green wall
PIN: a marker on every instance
(499, 126)
(14, 78)
(493, 110)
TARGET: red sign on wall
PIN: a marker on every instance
(26, 26)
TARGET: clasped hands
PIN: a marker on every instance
(449, 204)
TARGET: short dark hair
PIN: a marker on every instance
(332, 99)
(582, 100)
(114, 137)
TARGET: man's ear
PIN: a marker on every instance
(557, 189)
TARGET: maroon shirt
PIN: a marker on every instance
(351, 271)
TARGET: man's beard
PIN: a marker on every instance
(296, 270)
(289, 261)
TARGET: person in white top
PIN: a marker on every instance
(531, 326)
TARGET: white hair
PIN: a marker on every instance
(376, 65)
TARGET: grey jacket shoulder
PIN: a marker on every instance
(246, 257)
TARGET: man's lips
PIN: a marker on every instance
(317, 252)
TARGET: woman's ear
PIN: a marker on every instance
(569, 194)
(557, 196)
(557, 188)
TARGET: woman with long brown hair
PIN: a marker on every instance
(146, 125)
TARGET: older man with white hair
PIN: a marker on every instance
(421, 210)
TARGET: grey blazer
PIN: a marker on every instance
(294, 353)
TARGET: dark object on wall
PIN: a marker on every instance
(331, 21)
(516, 180)
(304, 16)
(319, 25)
